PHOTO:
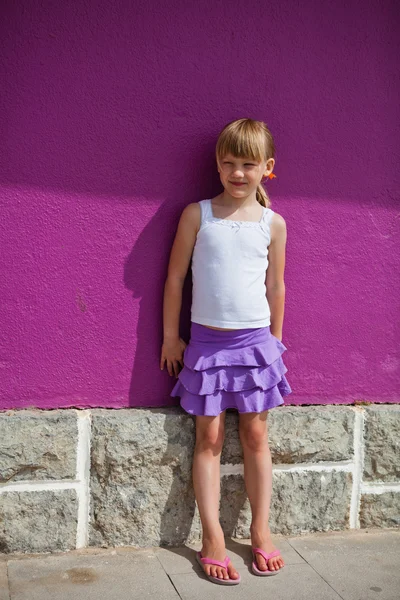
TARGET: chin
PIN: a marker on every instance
(239, 192)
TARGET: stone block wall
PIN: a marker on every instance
(76, 478)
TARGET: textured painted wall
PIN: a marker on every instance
(109, 114)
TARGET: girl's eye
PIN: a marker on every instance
(249, 165)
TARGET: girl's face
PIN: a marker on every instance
(241, 176)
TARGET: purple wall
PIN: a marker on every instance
(109, 116)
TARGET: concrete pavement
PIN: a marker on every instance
(354, 565)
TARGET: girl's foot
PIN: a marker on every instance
(216, 550)
(265, 543)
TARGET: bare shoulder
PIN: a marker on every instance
(278, 228)
(191, 215)
(191, 212)
(278, 222)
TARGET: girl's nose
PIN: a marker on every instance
(238, 173)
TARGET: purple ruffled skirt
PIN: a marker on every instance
(241, 369)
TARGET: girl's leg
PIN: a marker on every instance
(258, 479)
(210, 432)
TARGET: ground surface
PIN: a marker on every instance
(331, 566)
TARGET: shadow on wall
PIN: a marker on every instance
(145, 272)
(176, 526)
(179, 509)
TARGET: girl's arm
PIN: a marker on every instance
(182, 249)
(275, 274)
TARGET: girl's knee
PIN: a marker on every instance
(254, 436)
(210, 436)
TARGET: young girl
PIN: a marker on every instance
(233, 360)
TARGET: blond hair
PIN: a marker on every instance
(247, 138)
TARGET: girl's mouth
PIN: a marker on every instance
(237, 184)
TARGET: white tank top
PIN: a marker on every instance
(229, 264)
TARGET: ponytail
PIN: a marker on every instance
(262, 196)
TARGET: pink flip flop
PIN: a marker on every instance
(266, 556)
(210, 561)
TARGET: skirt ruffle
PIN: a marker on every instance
(240, 369)
(199, 359)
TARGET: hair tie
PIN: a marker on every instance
(270, 176)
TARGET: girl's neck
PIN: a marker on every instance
(227, 200)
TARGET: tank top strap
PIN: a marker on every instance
(206, 210)
(266, 222)
(267, 216)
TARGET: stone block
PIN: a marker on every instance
(232, 450)
(311, 434)
(300, 434)
(141, 482)
(195, 532)
(310, 501)
(380, 510)
(382, 443)
(234, 506)
(37, 445)
(301, 501)
(42, 521)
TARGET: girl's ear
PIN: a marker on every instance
(269, 168)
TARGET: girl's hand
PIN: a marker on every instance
(172, 352)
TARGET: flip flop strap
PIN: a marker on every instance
(265, 555)
(217, 563)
